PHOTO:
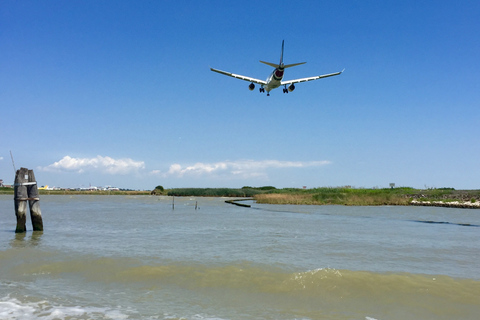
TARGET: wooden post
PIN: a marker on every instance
(20, 191)
(25, 188)
(34, 203)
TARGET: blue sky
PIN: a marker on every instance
(120, 93)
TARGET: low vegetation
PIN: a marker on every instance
(339, 196)
(6, 190)
(365, 197)
(331, 195)
(246, 192)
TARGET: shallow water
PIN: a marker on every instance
(134, 257)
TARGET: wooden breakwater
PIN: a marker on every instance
(236, 202)
(25, 189)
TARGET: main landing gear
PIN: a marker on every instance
(285, 90)
(262, 89)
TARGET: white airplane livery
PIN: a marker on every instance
(275, 79)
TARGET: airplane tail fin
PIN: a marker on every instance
(281, 56)
(281, 65)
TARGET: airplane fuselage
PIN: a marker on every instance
(275, 79)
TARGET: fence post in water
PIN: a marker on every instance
(25, 188)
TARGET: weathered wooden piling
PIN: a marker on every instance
(25, 188)
(20, 192)
(34, 203)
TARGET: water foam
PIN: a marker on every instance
(14, 309)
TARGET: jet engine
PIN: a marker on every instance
(251, 86)
(291, 87)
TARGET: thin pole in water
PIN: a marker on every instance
(13, 162)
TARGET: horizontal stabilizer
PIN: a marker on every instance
(273, 65)
(293, 65)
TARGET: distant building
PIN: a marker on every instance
(2, 185)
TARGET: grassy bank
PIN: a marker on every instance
(338, 196)
(365, 197)
(245, 192)
(333, 196)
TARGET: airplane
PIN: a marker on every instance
(275, 79)
(46, 187)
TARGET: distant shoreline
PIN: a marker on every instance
(443, 197)
(81, 192)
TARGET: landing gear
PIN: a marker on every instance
(285, 90)
(262, 89)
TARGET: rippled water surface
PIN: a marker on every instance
(135, 257)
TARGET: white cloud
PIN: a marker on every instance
(99, 163)
(1, 158)
(197, 168)
(240, 168)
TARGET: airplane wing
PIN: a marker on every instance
(238, 76)
(312, 78)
